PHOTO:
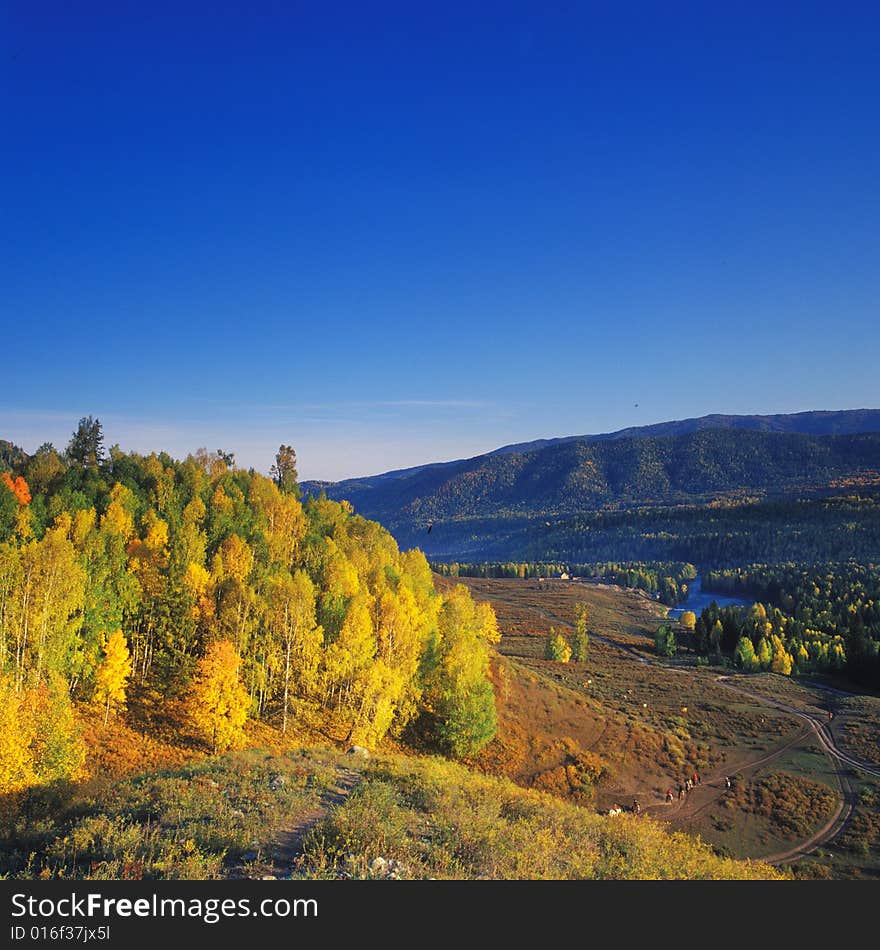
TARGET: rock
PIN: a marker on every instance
(359, 750)
(268, 877)
(249, 856)
(378, 866)
(276, 782)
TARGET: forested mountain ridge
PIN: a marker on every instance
(816, 422)
(576, 476)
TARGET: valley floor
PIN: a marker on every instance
(626, 726)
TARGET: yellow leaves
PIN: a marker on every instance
(281, 517)
(156, 538)
(218, 702)
(487, 623)
(63, 524)
(23, 528)
(112, 675)
(148, 558)
(118, 518)
(286, 528)
(340, 576)
(234, 559)
(197, 580)
(16, 759)
(83, 524)
(781, 661)
(220, 501)
(194, 513)
(355, 646)
(688, 620)
(39, 741)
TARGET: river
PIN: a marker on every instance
(697, 599)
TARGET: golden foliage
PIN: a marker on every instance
(112, 675)
(218, 702)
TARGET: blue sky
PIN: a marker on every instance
(396, 233)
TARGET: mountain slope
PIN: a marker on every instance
(401, 483)
(582, 475)
(819, 422)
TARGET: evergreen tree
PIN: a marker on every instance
(86, 447)
(283, 470)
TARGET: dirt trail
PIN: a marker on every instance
(288, 844)
(697, 800)
(842, 762)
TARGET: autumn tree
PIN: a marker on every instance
(18, 486)
(16, 760)
(291, 615)
(744, 655)
(112, 675)
(688, 620)
(557, 647)
(218, 702)
(458, 688)
(580, 640)
(780, 660)
(49, 722)
(40, 741)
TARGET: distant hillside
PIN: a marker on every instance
(839, 422)
(816, 423)
(496, 505)
(576, 476)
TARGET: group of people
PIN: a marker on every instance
(617, 810)
(683, 788)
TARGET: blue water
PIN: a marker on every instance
(697, 599)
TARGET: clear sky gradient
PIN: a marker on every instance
(397, 233)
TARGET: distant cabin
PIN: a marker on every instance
(564, 576)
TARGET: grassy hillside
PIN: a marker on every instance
(254, 813)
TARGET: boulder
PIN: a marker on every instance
(359, 750)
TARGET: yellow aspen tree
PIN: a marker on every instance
(218, 702)
(351, 653)
(118, 517)
(16, 758)
(53, 733)
(236, 603)
(112, 675)
(291, 615)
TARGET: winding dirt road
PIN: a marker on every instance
(697, 801)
